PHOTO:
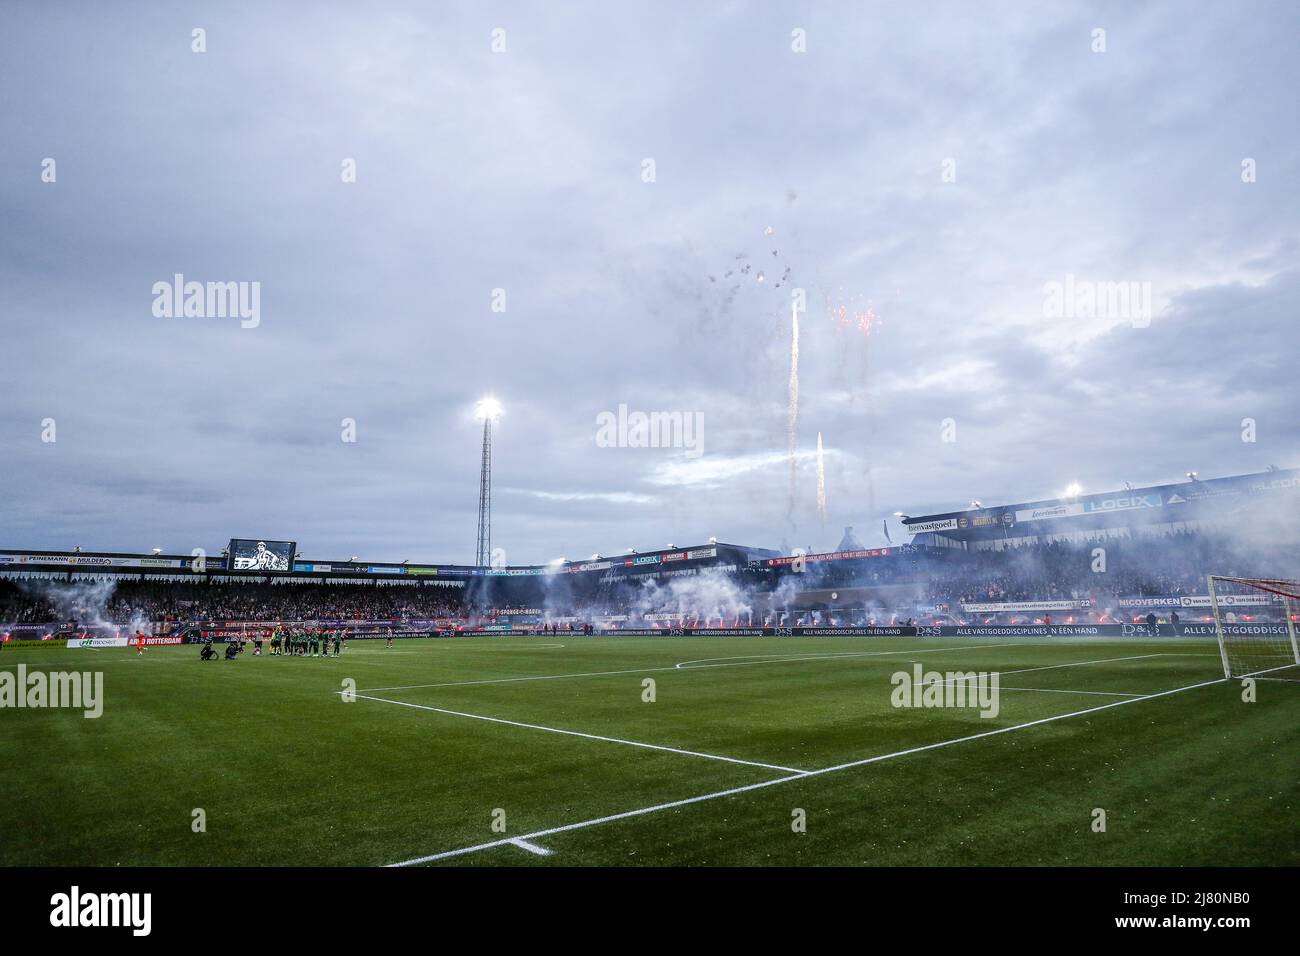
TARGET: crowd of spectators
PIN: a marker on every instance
(166, 602)
(1172, 564)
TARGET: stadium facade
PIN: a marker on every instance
(1156, 509)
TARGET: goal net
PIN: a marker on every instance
(1255, 620)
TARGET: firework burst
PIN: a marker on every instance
(853, 313)
(821, 481)
(792, 426)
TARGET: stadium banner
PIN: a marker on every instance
(986, 519)
(1013, 630)
(1201, 600)
(957, 630)
(828, 556)
(997, 606)
(1051, 511)
(93, 561)
(941, 524)
(1230, 600)
(874, 631)
(97, 642)
(449, 628)
(38, 632)
(1232, 630)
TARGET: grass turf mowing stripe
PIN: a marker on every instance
(434, 857)
(576, 733)
(650, 670)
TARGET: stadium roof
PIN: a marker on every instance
(1192, 500)
(116, 562)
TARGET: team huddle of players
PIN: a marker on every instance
(307, 641)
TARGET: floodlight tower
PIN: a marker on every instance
(488, 409)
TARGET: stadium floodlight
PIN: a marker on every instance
(1263, 645)
(157, 550)
(630, 551)
(713, 539)
(1072, 490)
(488, 407)
(595, 557)
(671, 545)
(354, 558)
(974, 505)
(1190, 476)
(899, 514)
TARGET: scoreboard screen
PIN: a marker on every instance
(260, 554)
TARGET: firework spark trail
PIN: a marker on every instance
(792, 428)
(821, 481)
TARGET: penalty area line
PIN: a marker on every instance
(733, 791)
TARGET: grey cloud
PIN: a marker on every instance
(521, 171)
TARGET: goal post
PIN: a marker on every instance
(1255, 622)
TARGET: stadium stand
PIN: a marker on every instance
(1095, 559)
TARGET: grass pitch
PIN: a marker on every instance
(449, 740)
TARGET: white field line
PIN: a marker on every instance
(1267, 670)
(1108, 660)
(538, 834)
(1035, 690)
(651, 670)
(530, 847)
(576, 733)
(754, 657)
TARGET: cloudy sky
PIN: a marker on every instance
(926, 172)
